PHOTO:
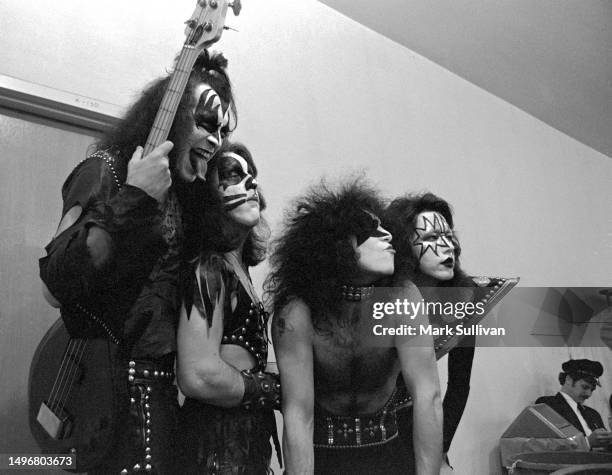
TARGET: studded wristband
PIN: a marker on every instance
(261, 390)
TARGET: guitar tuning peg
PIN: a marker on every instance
(191, 23)
(225, 27)
(236, 6)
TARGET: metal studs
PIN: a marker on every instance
(132, 364)
(146, 373)
(148, 467)
(124, 471)
(131, 378)
(156, 373)
(132, 400)
(137, 467)
(132, 371)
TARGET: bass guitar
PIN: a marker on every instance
(75, 391)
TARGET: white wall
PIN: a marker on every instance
(321, 95)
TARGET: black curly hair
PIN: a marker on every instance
(208, 227)
(400, 220)
(135, 126)
(315, 253)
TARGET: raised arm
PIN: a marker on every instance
(420, 374)
(108, 228)
(292, 334)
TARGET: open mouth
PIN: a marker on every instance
(449, 262)
(198, 158)
(200, 154)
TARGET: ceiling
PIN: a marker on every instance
(550, 58)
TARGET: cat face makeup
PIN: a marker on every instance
(211, 124)
(433, 245)
(237, 187)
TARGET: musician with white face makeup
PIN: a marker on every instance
(338, 389)
(428, 255)
(113, 265)
(227, 419)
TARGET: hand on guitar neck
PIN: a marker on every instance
(151, 173)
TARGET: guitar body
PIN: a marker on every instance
(89, 389)
(78, 389)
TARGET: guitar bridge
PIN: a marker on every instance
(58, 427)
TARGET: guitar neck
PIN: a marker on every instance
(172, 98)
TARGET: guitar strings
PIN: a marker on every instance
(73, 356)
(67, 371)
(82, 347)
(73, 361)
(52, 401)
(171, 99)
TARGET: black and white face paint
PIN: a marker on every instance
(433, 245)
(367, 226)
(375, 254)
(212, 114)
(238, 189)
(211, 124)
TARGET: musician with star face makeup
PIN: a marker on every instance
(339, 389)
(227, 419)
(428, 255)
(113, 265)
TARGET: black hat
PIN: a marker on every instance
(585, 369)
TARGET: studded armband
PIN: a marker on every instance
(261, 390)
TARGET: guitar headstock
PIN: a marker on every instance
(207, 22)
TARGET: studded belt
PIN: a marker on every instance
(334, 431)
(144, 378)
(160, 369)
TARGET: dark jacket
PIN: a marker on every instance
(560, 405)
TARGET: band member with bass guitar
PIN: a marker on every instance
(112, 267)
(227, 419)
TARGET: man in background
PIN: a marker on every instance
(578, 379)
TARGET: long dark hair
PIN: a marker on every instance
(208, 227)
(135, 126)
(314, 255)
